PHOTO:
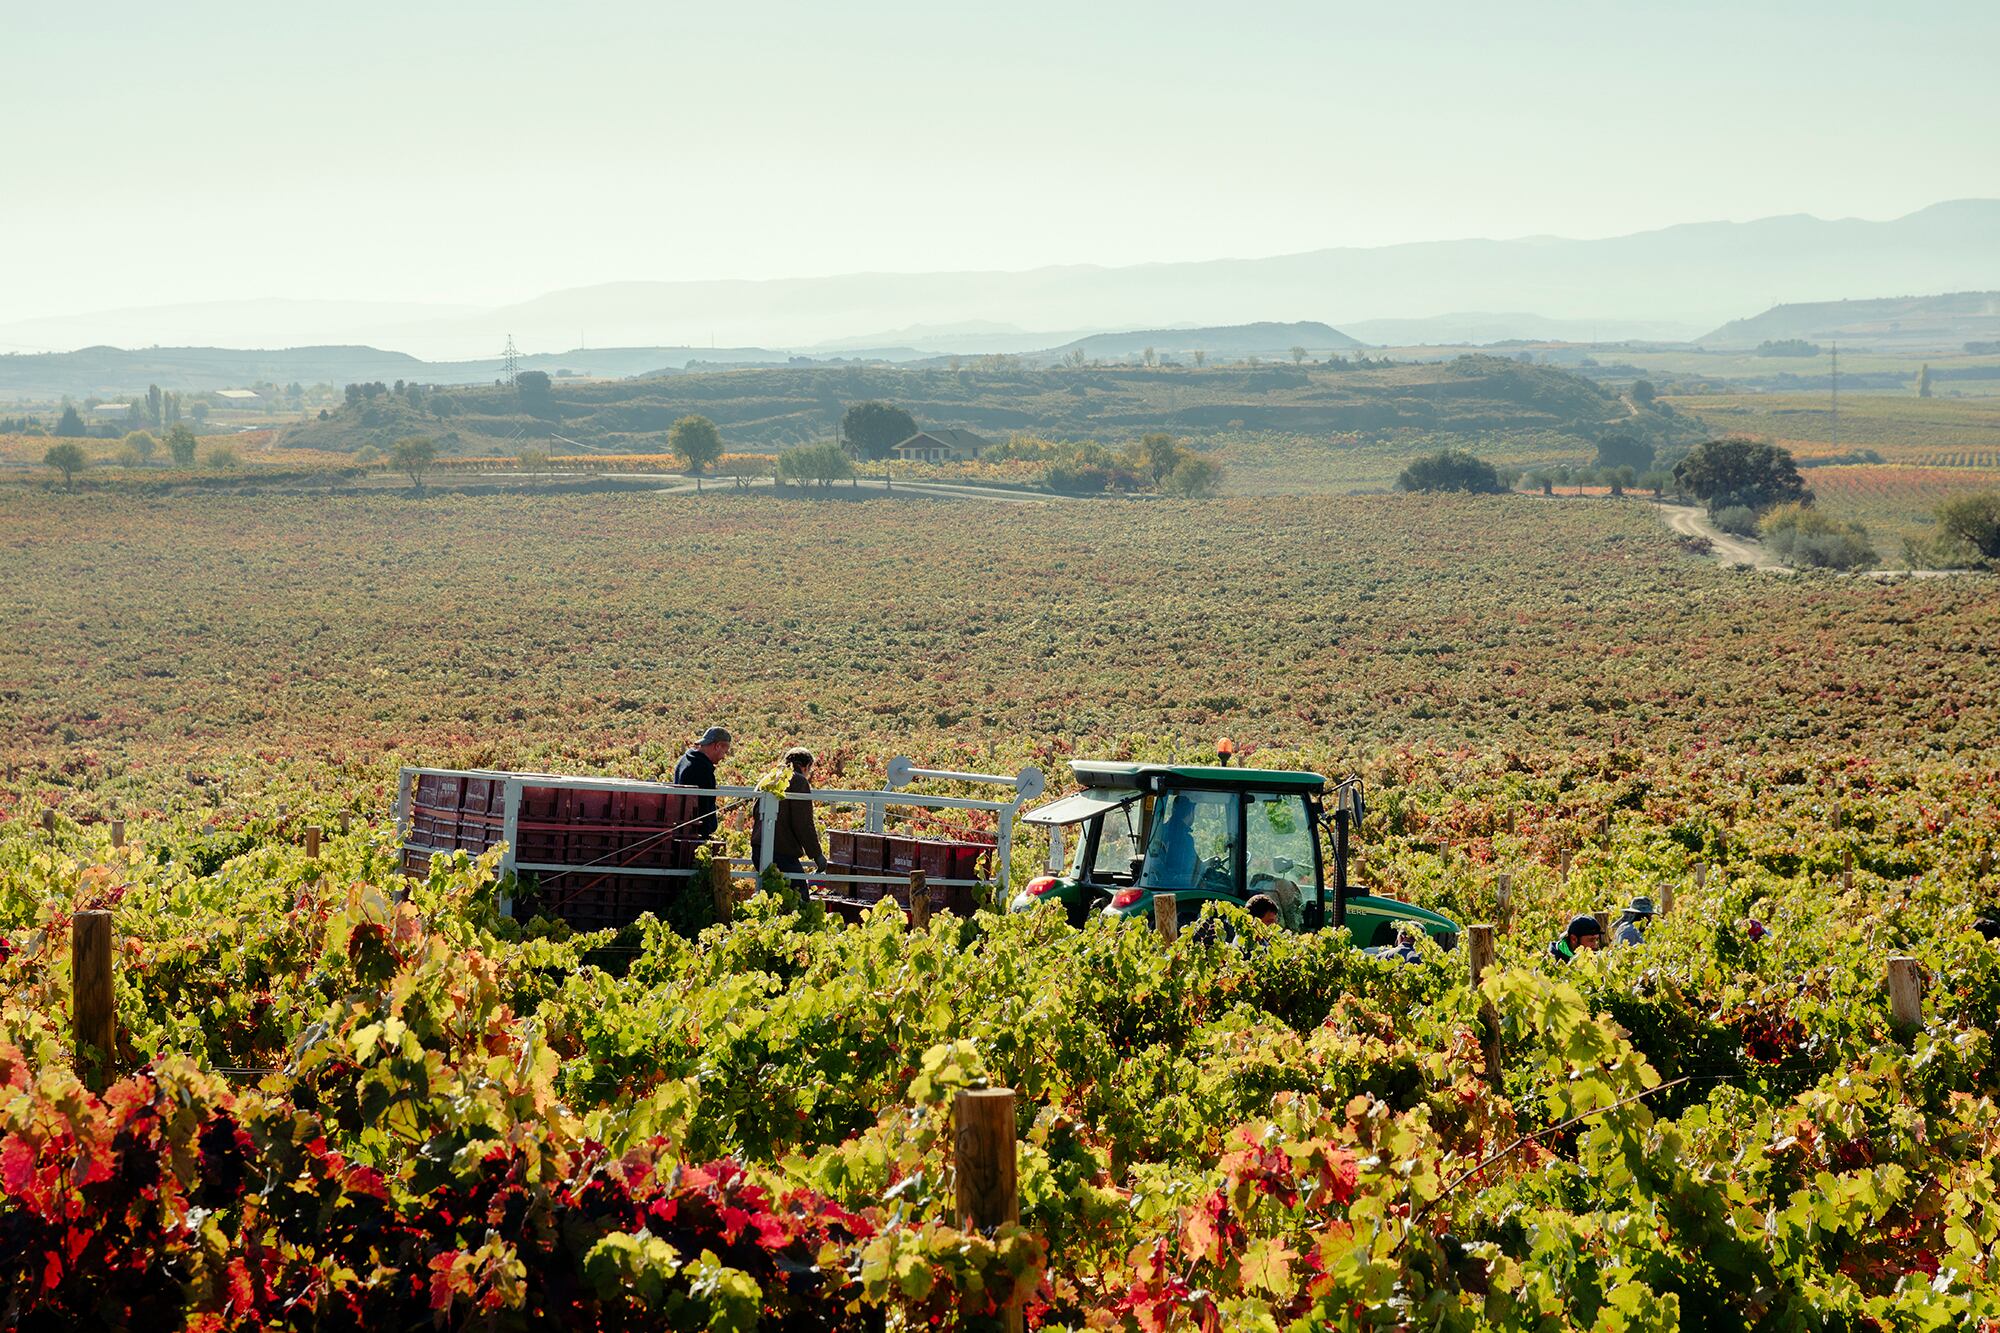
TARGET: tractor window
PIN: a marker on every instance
(1117, 845)
(1278, 852)
(1194, 842)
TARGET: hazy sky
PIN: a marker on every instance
(484, 152)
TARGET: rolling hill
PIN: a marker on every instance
(767, 408)
(1906, 323)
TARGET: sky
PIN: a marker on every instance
(482, 153)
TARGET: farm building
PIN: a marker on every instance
(238, 397)
(941, 444)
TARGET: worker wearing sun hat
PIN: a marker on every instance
(1632, 922)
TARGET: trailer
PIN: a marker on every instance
(599, 852)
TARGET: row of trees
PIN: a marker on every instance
(138, 448)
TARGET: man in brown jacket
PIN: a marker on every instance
(797, 836)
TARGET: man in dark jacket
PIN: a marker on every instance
(697, 769)
(797, 836)
(1583, 933)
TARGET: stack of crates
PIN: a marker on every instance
(895, 856)
(453, 812)
(602, 831)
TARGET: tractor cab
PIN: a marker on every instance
(1224, 834)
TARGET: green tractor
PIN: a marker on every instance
(1221, 833)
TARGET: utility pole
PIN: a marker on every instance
(510, 355)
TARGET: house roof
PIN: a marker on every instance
(236, 393)
(951, 437)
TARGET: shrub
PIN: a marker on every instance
(1451, 470)
(1192, 478)
(140, 445)
(223, 457)
(181, 444)
(1969, 529)
(825, 462)
(1738, 520)
(1805, 538)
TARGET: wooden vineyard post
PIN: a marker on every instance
(920, 901)
(95, 1019)
(346, 823)
(723, 887)
(1906, 995)
(1701, 877)
(117, 833)
(312, 842)
(1667, 898)
(1565, 868)
(1479, 946)
(983, 1151)
(49, 822)
(1847, 869)
(1166, 917)
(1503, 901)
(1604, 928)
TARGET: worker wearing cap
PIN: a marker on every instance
(697, 769)
(1583, 933)
(796, 839)
(1632, 922)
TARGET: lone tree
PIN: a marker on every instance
(1726, 474)
(697, 441)
(1643, 392)
(1451, 470)
(180, 443)
(67, 459)
(1622, 448)
(1924, 382)
(536, 400)
(872, 429)
(1160, 454)
(414, 454)
(70, 426)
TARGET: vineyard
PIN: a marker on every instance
(338, 1098)
(1902, 427)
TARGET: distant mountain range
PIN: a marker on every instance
(116, 372)
(1912, 323)
(1235, 342)
(1695, 275)
(1481, 328)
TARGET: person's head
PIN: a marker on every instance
(1182, 814)
(1640, 910)
(715, 744)
(1264, 907)
(800, 759)
(1584, 932)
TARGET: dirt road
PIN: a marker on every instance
(1692, 522)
